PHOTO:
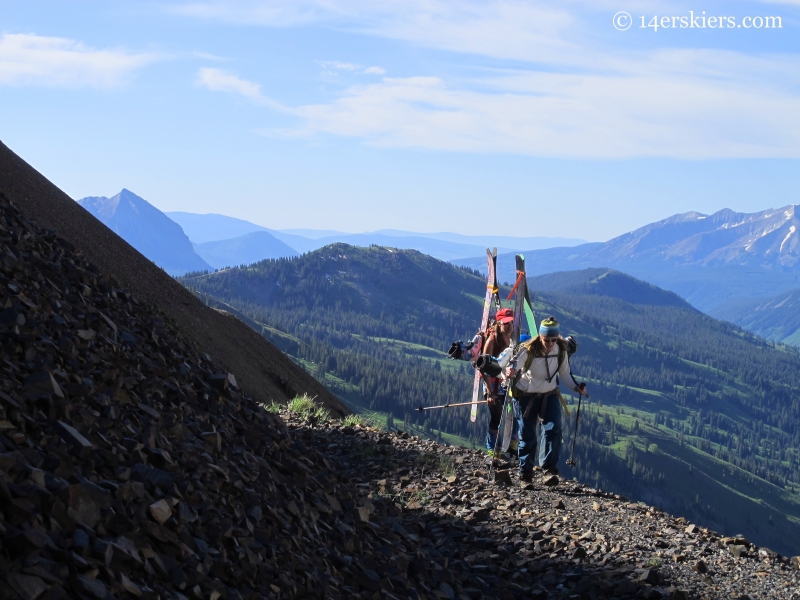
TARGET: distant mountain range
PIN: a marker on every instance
(705, 259)
(243, 250)
(741, 267)
(202, 229)
(181, 242)
(147, 229)
(212, 228)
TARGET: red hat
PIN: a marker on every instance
(504, 315)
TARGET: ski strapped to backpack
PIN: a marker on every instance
(518, 292)
(470, 351)
(491, 293)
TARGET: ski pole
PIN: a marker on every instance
(424, 408)
(571, 462)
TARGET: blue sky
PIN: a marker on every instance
(513, 118)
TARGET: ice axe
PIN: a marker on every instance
(571, 462)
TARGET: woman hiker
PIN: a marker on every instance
(495, 391)
(533, 372)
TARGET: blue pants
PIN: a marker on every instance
(495, 416)
(549, 432)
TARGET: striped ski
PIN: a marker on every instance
(491, 291)
(519, 293)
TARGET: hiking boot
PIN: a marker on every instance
(551, 481)
(526, 476)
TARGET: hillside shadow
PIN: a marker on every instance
(475, 538)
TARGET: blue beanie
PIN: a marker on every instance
(549, 327)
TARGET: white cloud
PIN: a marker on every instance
(570, 116)
(277, 13)
(208, 56)
(334, 66)
(218, 80)
(516, 29)
(339, 66)
(568, 91)
(29, 59)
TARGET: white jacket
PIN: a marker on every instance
(542, 375)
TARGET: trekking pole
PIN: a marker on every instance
(571, 462)
(448, 405)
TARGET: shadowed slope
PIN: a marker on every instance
(262, 369)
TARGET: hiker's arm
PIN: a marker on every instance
(508, 365)
(488, 347)
(565, 372)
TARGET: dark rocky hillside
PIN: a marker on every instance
(133, 466)
(263, 371)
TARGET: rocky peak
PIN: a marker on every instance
(766, 237)
(147, 229)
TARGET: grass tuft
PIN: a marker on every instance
(653, 562)
(305, 406)
(353, 420)
(273, 407)
(447, 465)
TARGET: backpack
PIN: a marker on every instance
(471, 350)
(566, 348)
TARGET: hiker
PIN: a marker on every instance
(498, 339)
(533, 373)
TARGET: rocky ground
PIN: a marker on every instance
(133, 465)
(534, 540)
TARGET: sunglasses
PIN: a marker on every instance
(550, 340)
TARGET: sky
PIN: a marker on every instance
(571, 118)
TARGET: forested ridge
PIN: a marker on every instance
(676, 394)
